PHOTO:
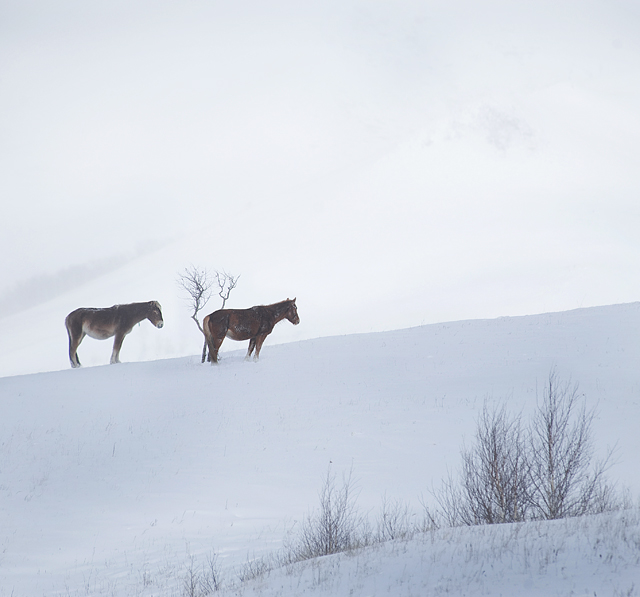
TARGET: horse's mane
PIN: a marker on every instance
(279, 303)
(150, 303)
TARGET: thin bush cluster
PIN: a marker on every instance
(512, 473)
(204, 580)
(338, 526)
(543, 472)
(335, 527)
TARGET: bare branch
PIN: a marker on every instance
(226, 283)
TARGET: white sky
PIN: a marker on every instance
(446, 159)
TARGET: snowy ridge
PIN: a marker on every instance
(592, 555)
(114, 478)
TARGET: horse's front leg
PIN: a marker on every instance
(117, 345)
(259, 342)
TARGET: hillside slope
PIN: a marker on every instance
(116, 474)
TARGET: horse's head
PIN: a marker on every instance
(155, 314)
(292, 312)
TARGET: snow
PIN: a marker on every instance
(575, 557)
(115, 479)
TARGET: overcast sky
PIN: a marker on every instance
(446, 159)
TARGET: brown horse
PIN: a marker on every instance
(101, 324)
(253, 324)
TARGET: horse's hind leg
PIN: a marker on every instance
(74, 342)
(252, 345)
(215, 332)
(214, 347)
(74, 330)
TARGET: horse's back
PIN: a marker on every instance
(95, 314)
(99, 323)
(237, 324)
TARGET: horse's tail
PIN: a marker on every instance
(205, 328)
(207, 335)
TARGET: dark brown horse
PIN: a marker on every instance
(253, 324)
(101, 324)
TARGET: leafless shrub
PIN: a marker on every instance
(493, 486)
(543, 472)
(396, 521)
(562, 481)
(433, 518)
(494, 471)
(452, 507)
(190, 582)
(335, 527)
(203, 581)
(255, 568)
(211, 578)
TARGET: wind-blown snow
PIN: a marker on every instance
(112, 478)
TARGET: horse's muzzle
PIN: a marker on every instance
(159, 324)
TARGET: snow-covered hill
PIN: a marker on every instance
(113, 479)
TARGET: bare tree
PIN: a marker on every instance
(494, 471)
(198, 284)
(492, 487)
(562, 480)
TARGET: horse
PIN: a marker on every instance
(253, 324)
(103, 323)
